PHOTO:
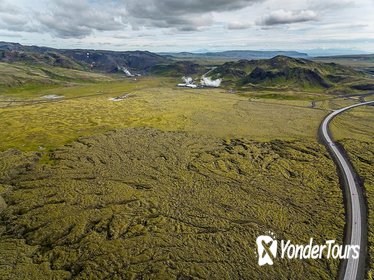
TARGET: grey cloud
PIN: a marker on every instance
(14, 18)
(78, 18)
(287, 17)
(188, 28)
(238, 25)
(81, 18)
(182, 15)
(155, 8)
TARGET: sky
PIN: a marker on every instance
(190, 25)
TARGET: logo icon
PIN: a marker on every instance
(267, 249)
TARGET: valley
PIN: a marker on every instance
(105, 175)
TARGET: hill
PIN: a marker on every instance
(234, 55)
(362, 62)
(81, 59)
(284, 72)
(16, 74)
(111, 61)
(177, 69)
(278, 72)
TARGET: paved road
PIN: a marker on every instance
(356, 228)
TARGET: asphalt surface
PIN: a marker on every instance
(356, 228)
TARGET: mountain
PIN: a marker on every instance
(334, 52)
(12, 52)
(283, 72)
(105, 61)
(177, 69)
(109, 61)
(277, 72)
(236, 54)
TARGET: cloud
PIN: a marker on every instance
(154, 8)
(8, 8)
(323, 5)
(288, 17)
(10, 35)
(79, 18)
(238, 25)
(82, 18)
(173, 23)
(14, 18)
(182, 15)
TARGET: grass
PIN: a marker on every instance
(354, 124)
(17, 74)
(155, 103)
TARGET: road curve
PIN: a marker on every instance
(356, 228)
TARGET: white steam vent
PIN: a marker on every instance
(188, 82)
(125, 70)
(208, 82)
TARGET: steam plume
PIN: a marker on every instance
(208, 82)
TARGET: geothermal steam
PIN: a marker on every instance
(208, 82)
(187, 80)
(205, 82)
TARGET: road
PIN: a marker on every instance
(356, 228)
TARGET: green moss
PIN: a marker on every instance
(141, 203)
(86, 110)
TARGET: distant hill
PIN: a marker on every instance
(235, 55)
(284, 72)
(364, 57)
(105, 61)
(362, 62)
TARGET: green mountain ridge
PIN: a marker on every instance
(44, 59)
(177, 69)
(284, 72)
